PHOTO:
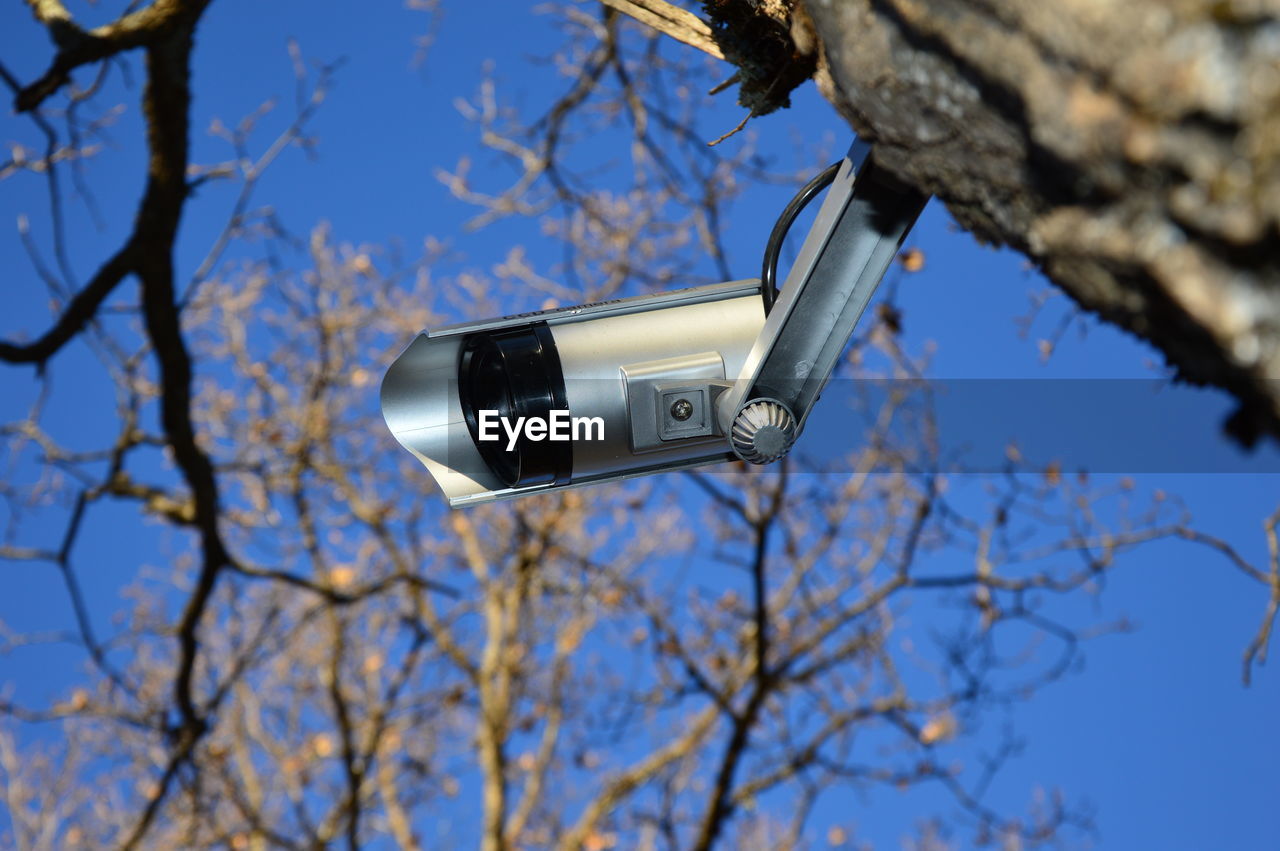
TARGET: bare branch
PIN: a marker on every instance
(77, 47)
(78, 313)
(672, 21)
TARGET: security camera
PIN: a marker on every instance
(538, 402)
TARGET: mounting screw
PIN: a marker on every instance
(682, 409)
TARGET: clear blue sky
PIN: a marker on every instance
(1157, 731)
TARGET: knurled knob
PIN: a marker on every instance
(763, 431)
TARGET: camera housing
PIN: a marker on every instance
(649, 369)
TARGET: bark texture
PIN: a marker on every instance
(1131, 148)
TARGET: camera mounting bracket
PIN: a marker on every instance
(853, 240)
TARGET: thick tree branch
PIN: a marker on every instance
(77, 47)
(1134, 162)
(1129, 151)
(166, 105)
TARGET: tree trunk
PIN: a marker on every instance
(1131, 148)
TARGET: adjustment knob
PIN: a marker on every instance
(763, 431)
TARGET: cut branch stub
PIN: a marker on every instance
(757, 37)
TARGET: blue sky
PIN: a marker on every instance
(1157, 731)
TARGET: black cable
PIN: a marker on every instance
(769, 274)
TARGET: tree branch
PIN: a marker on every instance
(78, 313)
(672, 21)
(77, 47)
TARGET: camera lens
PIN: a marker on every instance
(515, 372)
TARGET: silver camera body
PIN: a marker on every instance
(635, 378)
(539, 402)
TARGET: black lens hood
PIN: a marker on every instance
(516, 372)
